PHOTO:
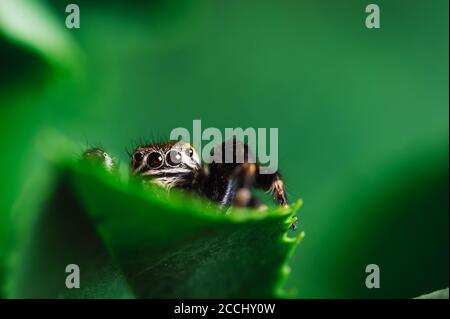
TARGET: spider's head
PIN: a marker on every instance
(168, 164)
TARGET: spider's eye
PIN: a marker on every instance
(138, 156)
(189, 152)
(154, 160)
(173, 158)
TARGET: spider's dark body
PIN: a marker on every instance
(227, 182)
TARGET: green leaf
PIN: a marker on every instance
(136, 242)
(439, 294)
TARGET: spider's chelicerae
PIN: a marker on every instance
(178, 165)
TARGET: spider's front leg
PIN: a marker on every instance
(243, 179)
(231, 184)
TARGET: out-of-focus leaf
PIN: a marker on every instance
(29, 23)
(135, 242)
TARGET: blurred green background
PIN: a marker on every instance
(362, 114)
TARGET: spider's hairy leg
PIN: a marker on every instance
(274, 183)
(243, 178)
(96, 156)
(225, 181)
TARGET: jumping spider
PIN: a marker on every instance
(178, 165)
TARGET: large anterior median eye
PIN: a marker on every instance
(173, 158)
(154, 160)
